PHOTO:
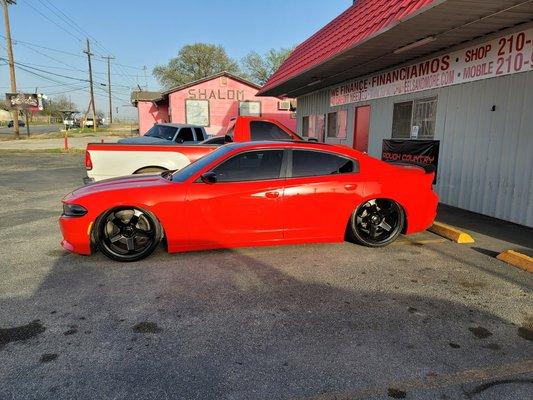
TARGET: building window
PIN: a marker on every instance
(250, 108)
(414, 119)
(337, 124)
(332, 124)
(314, 126)
(305, 126)
(197, 112)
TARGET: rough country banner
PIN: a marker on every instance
(411, 152)
(506, 55)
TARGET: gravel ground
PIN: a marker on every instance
(421, 319)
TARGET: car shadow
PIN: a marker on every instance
(263, 323)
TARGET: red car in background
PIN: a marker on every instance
(249, 194)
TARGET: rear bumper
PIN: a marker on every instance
(76, 233)
(424, 215)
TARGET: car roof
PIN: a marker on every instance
(295, 144)
(180, 125)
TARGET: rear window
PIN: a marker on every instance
(263, 130)
(315, 163)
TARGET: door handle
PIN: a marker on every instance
(272, 195)
(350, 187)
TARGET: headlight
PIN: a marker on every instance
(73, 210)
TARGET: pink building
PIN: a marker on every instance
(209, 102)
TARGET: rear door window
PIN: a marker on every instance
(186, 135)
(199, 133)
(264, 130)
(316, 163)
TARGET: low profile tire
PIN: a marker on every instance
(150, 170)
(377, 223)
(127, 234)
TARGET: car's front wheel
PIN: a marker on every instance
(377, 222)
(127, 234)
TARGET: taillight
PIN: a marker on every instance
(88, 161)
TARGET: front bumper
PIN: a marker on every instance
(76, 233)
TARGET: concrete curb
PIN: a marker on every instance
(450, 232)
(517, 260)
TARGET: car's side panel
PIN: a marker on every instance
(231, 213)
(319, 206)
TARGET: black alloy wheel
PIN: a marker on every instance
(127, 234)
(377, 222)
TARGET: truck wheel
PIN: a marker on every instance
(127, 234)
(150, 170)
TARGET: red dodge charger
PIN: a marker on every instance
(250, 194)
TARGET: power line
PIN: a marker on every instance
(83, 31)
(23, 42)
(52, 21)
(48, 72)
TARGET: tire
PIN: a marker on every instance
(127, 234)
(376, 223)
(150, 170)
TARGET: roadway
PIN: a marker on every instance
(34, 129)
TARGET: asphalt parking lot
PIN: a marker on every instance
(421, 319)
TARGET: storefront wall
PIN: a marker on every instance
(218, 100)
(485, 130)
(151, 113)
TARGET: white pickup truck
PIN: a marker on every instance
(109, 160)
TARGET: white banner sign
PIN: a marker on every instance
(506, 55)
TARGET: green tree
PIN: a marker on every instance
(55, 105)
(259, 68)
(195, 61)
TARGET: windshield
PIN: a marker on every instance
(191, 169)
(162, 132)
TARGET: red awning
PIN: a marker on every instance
(366, 38)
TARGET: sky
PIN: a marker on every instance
(49, 37)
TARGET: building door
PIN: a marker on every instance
(361, 128)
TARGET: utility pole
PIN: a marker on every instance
(109, 58)
(89, 54)
(11, 63)
(145, 78)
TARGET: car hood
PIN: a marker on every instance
(145, 140)
(123, 183)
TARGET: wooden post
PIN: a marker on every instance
(89, 54)
(11, 62)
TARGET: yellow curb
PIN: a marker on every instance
(517, 259)
(450, 232)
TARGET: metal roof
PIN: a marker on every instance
(143, 95)
(364, 38)
(208, 78)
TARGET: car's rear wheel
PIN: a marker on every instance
(377, 222)
(127, 234)
(150, 170)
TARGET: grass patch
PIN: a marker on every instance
(40, 151)
(81, 133)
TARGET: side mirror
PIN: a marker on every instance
(312, 139)
(209, 178)
(228, 139)
(179, 140)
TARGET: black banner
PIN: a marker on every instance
(425, 152)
